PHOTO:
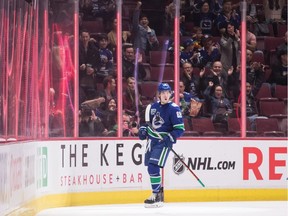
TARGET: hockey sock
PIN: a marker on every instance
(155, 177)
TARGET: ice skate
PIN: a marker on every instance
(155, 200)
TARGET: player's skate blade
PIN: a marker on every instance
(155, 200)
(154, 205)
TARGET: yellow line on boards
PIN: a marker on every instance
(125, 197)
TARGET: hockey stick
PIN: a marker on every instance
(147, 120)
(187, 167)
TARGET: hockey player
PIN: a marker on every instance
(164, 125)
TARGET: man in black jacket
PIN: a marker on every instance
(129, 64)
(89, 63)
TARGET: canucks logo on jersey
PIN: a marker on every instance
(157, 121)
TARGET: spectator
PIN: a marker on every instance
(279, 69)
(233, 84)
(109, 91)
(130, 127)
(109, 117)
(251, 40)
(250, 13)
(130, 64)
(198, 37)
(191, 81)
(132, 104)
(90, 125)
(215, 5)
(230, 59)
(89, 61)
(105, 9)
(169, 21)
(106, 56)
(282, 46)
(227, 15)
(229, 81)
(88, 83)
(205, 18)
(88, 53)
(144, 37)
(230, 48)
(284, 13)
(220, 105)
(112, 38)
(188, 54)
(209, 53)
(186, 9)
(55, 117)
(251, 106)
(185, 99)
(272, 10)
(217, 77)
(85, 9)
(255, 72)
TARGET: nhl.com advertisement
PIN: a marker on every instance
(229, 164)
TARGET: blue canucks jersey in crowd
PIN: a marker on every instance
(166, 120)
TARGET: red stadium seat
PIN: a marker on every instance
(158, 58)
(95, 26)
(162, 73)
(281, 92)
(264, 93)
(282, 29)
(148, 90)
(268, 127)
(163, 42)
(187, 124)
(191, 134)
(205, 127)
(270, 45)
(269, 108)
(234, 128)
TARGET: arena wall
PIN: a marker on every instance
(40, 175)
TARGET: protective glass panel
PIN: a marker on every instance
(37, 64)
(23, 77)
(62, 18)
(97, 69)
(147, 60)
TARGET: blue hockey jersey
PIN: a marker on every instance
(166, 120)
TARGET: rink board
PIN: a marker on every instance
(42, 175)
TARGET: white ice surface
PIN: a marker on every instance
(177, 209)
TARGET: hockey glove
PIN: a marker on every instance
(142, 133)
(167, 142)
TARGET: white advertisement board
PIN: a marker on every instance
(35, 169)
(115, 165)
(228, 164)
(78, 166)
(17, 175)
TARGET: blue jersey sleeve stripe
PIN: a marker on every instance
(179, 126)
